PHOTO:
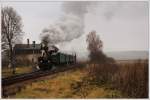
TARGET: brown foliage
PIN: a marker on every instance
(101, 73)
(130, 78)
(95, 48)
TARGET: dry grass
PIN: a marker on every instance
(101, 73)
(66, 85)
(57, 87)
(132, 79)
(129, 78)
(6, 72)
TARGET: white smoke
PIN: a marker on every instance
(66, 29)
(69, 26)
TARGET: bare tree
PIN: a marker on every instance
(101, 68)
(95, 46)
(11, 30)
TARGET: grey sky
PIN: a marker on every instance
(121, 25)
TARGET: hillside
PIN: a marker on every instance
(128, 55)
(118, 55)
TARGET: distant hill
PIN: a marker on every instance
(128, 55)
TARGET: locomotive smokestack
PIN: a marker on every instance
(28, 42)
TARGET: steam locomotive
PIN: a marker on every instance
(51, 57)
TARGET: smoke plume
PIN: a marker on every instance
(69, 26)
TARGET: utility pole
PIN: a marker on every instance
(13, 65)
(33, 52)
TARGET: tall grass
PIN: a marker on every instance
(101, 73)
(130, 78)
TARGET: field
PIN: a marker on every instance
(63, 84)
(7, 72)
(121, 80)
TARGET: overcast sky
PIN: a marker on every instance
(121, 25)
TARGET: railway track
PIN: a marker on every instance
(8, 83)
(18, 78)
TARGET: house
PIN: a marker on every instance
(26, 54)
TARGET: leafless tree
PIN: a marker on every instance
(11, 30)
(101, 68)
(95, 46)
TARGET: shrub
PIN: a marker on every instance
(101, 73)
(132, 79)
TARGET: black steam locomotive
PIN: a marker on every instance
(52, 57)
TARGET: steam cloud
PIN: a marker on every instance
(69, 26)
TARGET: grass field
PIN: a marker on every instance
(104, 80)
(64, 85)
(6, 72)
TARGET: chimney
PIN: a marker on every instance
(28, 42)
(33, 44)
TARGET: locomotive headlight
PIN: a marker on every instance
(41, 61)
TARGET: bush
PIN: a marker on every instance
(130, 78)
(101, 73)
